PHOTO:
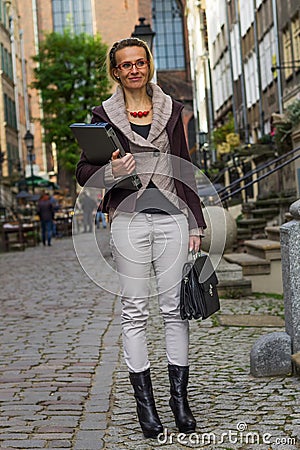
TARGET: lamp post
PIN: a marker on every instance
(144, 32)
(29, 139)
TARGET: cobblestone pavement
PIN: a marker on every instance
(63, 382)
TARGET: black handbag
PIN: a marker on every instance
(198, 293)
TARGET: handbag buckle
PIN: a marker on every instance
(211, 288)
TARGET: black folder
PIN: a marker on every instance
(99, 141)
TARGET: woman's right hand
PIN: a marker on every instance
(122, 166)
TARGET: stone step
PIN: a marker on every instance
(231, 281)
(227, 271)
(252, 224)
(275, 201)
(244, 233)
(273, 233)
(251, 265)
(264, 248)
(265, 212)
(235, 288)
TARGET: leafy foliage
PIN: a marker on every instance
(220, 133)
(284, 129)
(293, 113)
(71, 77)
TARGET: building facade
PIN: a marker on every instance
(11, 91)
(254, 56)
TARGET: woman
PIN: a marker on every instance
(154, 227)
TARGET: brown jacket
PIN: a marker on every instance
(181, 171)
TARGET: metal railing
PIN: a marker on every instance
(228, 191)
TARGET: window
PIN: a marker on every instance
(6, 62)
(246, 15)
(10, 112)
(267, 58)
(287, 53)
(12, 158)
(168, 42)
(235, 49)
(74, 14)
(296, 40)
(3, 14)
(221, 81)
(251, 80)
(216, 19)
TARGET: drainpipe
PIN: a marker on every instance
(243, 84)
(24, 78)
(15, 79)
(234, 108)
(260, 97)
(277, 50)
(36, 44)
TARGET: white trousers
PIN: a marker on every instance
(141, 242)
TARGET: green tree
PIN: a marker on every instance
(71, 76)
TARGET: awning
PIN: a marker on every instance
(40, 182)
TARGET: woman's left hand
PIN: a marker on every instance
(194, 244)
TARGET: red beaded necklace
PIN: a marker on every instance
(139, 114)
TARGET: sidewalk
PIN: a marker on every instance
(64, 384)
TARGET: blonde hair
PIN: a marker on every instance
(128, 42)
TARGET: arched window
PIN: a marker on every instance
(168, 42)
(73, 14)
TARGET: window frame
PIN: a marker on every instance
(169, 44)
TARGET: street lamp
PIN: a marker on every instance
(28, 138)
(144, 32)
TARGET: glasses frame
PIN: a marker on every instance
(133, 64)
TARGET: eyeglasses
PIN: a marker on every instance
(127, 65)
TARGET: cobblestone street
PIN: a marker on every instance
(64, 384)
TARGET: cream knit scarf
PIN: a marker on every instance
(148, 165)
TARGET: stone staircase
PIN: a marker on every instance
(261, 214)
(257, 252)
(261, 261)
(232, 282)
(255, 262)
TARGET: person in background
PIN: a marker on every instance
(99, 214)
(154, 227)
(88, 206)
(55, 205)
(45, 212)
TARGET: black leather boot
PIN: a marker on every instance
(184, 418)
(146, 410)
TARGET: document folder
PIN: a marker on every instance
(99, 141)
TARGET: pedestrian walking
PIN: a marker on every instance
(46, 212)
(88, 206)
(154, 227)
(55, 205)
(100, 216)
